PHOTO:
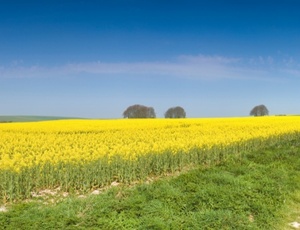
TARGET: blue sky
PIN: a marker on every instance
(95, 58)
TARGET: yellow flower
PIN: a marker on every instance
(81, 141)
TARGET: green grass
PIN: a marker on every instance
(260, 190)
(30, 118)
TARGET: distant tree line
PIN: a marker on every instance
(259, 110)
(175, 112)
(142, 111)
(139, 111)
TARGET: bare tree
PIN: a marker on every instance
(139, 111)
(175, 112)
(259, 110)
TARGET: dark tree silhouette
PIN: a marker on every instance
(259, 110)
(175, 112)
(139, 111)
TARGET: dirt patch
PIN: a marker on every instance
(295, 225)
(3, 209)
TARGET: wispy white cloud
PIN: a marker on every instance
(196, 67)
(291, 72)
(208, 59)
(263, 60)
(185, 66)
(290, 67)
(18, 71)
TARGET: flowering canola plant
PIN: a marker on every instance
(80, 141)
(154, 144)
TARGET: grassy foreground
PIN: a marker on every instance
(260, 190)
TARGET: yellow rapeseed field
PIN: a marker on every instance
(82, 154)
(81, 141)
